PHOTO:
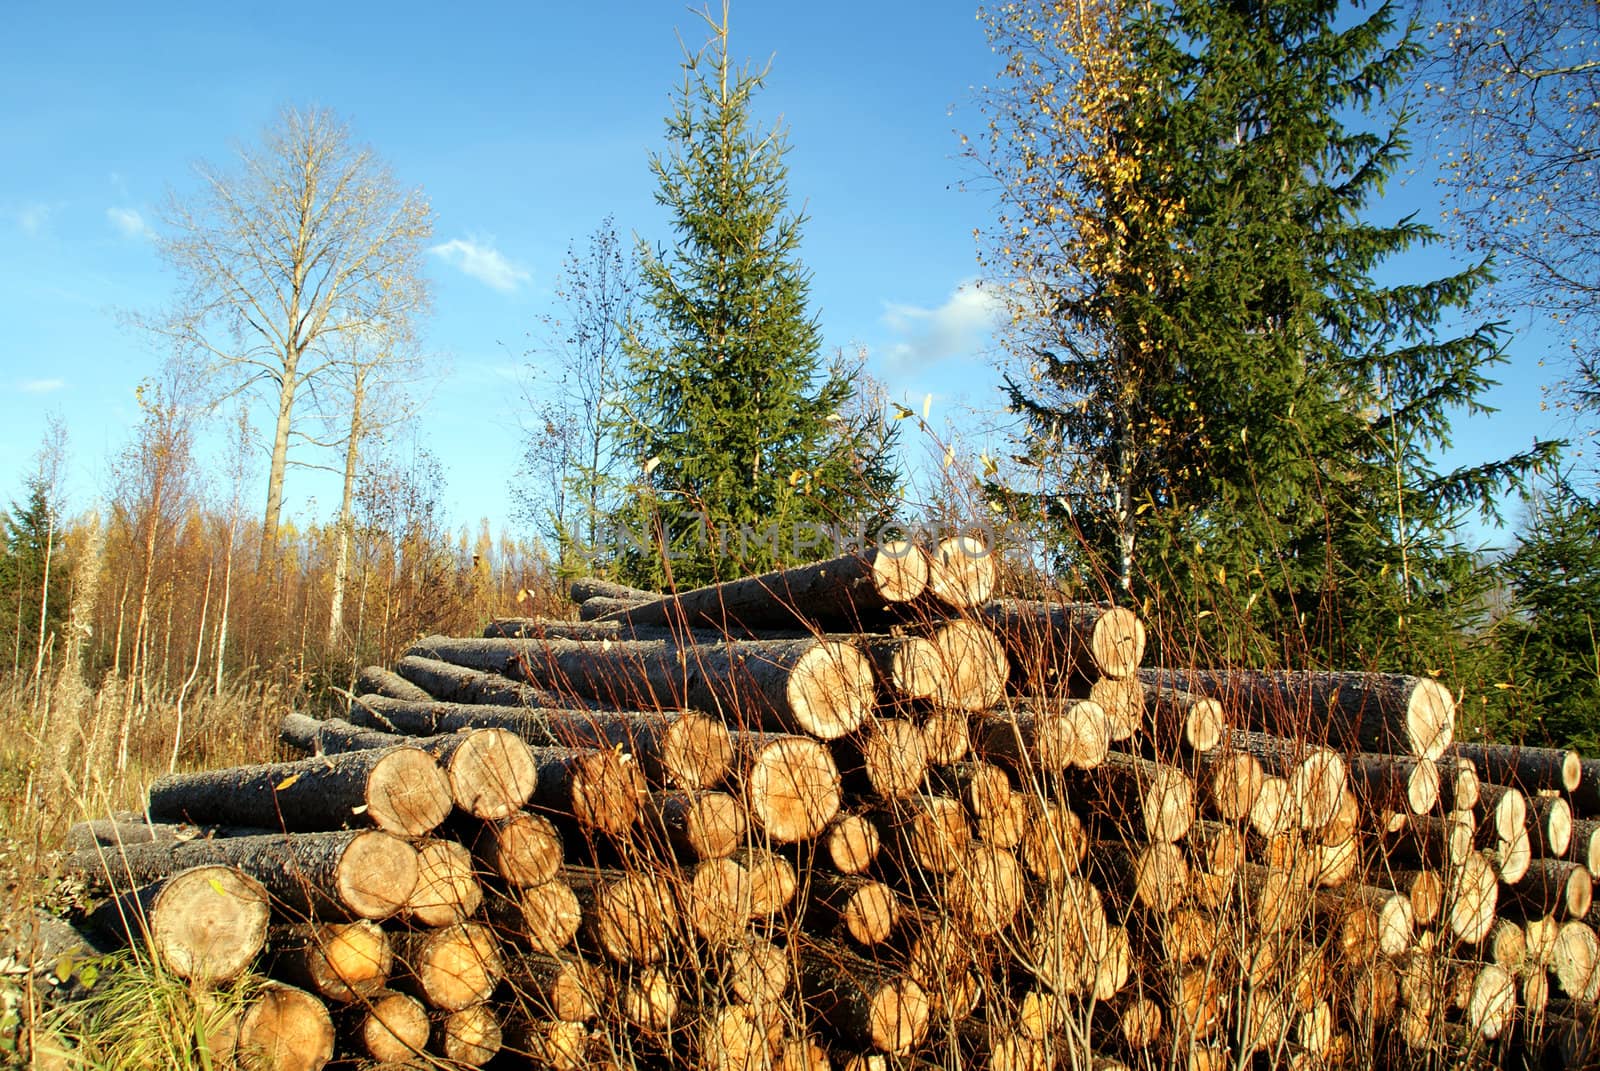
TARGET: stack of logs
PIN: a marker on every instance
(858, 813)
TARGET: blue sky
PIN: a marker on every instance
(524, 125)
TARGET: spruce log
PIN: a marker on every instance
(446, 889)
(1550, 825)
(451, 967)
(1502, 811)
(284, 1029)
(1046, 739)
(603, 609)
(1274, 810)
(790, 784)
(550, 1043)
(1385, 712)
(1371, 920)
(716, 899)
(846, 590)
(1153, 876)
(927, 833)
(1232, 781)
(451, 683)
(523, 849)
(972, 666)
(391, 1027)
(982, 787)
(339, 961)
(773, 881)
(400, 790)
(543, 917)
(559, 986)
(753, 970)
(1182, 719)
(1315, 776)
(1061, 929)
(1575, 961)
(1051, 642)
(1459, 784)
(353, 873)
(380, 681)
(1471, 899)
(673, 747)
(1054, 841)
(884, 758)
(1492, 999)
(1550, 887)
(1428, 841)
(628, 916)
(648, 1000)
(946, 736)
(1584, 846)
(851, 842)
(1395, 783)
(1511, 856)
(470, 1037)
(822, 688)
(866, 1004)
(1004, 826)
(962, 572)
(1125, 785)
(859, 907)
(1122, 698)
(697, 825)
(132, 827)
(599, 790)
(490, 771)
(728, 1037)
(984, 891)
(1531, 769)
(206, 923)
(584, 588)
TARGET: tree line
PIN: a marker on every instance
(1223, 408)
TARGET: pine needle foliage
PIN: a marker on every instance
(739, 427)
(1238, 411)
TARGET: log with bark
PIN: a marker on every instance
(524, 849)
(338, 961)
(1550, 825)
(391, 1027)
(490, 771)
(451, 967)
(850, 843)
(447, 890)
(470, 1037)
(848, 590)
(1046, 738)
(1125, 786)
(561, 985)
(1384, 712)
(628, 916)
(584, 588)
(868, 1005)
(697, 825)
(350, 873)
(672, 747)
(884, 758)
(281, 1028)
(860, 908)
(790, 784)
(1584, 846)
(206, 923)
(1531, 769)
(819, 687)
(1050, 643)
(1550, 887)
(398, 789)
(453, 683)
(386, 682)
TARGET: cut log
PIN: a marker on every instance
(884, 758)
(1584, 846)
(550, 1043)
(927, 833)
(206, 923)
(1459, 785)
(1502, 811)
(846, 590)
(1004, 826)
(727, 1037)
(1060, 932)
(851, 842)
(470, 1037)
(946, 736)
(1046, 739)
(391, 1027)
(1232, 781)
(452, 683)
(1126, 785)
(1384, 712)
(131, 827)
(560, 986)
(861, 908)
(584, 588)
(1051, 642)
(380, 681)
(400, 790)
(1054, 842)
(628, 916)
(981, 786)
(1315, 776)
(672, 747)
(648, 1000)
(790, 784)
(716, 900)
(340, 961)
(354, 873)
(1274, 810)
(446, 889)
(1511, 856)
(602, 609)
(543, 917)
(1575, 961)
(490, 771)
(753, 970)
(452, 967)
(772, 880)
(1473, 894)
(1425, 889)
(962, 572)
(971, 664)
(1550, 825)
(1369, 919)
(284, 1029)
(984, 891)
(697, 825)
(599, 790)
(1531, 769)
(821, 688)
(1180, 719)
(524, 849)
(1550, 887)
(1153, 876)
(1122, 698)
(866, 1004)
(1428, 841)
(1395, 783)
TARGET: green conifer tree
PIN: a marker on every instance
(737, 424)
(1242, 412)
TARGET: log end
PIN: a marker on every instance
(287, 1029)
(209, 922)
(492, 773)
(407, 793)
(792, 789)
(899, 571)
(830, 689)
(696, 750)
(963, 572)
(1117, 643)
(1430, 720)
(377, 874)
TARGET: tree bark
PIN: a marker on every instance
(673, 747)
(380, 681)
(399, 789)
(585, 588)
(697, 825)
(1393, 783)
(822, 688)
(845, 590)
(352, 873)
(1550, 887)
(867, 1005)
(1047, 739)
(1532, 769)
(460, 684)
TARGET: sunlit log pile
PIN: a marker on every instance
(863, 814)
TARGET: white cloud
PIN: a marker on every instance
(41, 386)
(961, 327)
(129, 223)
(483, 262)
(33, 217)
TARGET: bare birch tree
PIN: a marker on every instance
(308, 238)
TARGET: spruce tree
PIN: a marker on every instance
(740, 430)
(1240, 417)
(30, 552)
